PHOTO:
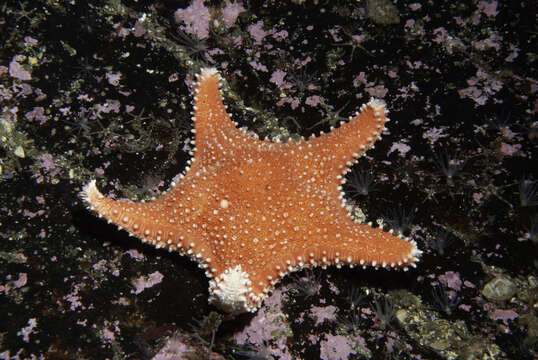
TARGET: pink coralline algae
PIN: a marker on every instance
(277, 78)
(481, 87)
(377, 91)
(451, 280)
(15, 284)
(108, 107)
(181, 346)
(400, 147)
(145, 282)
(313, 100)
(50, 170)
(323, 313)
(509, 150)
(336, 347)
(373, 89)
(268, 330)
(231, 11)
(26, 331)
(37, 113)
(139, 30)
(489, 8)
(504, 315)
(257, 32)
(113, 78)
(433, 134)
(17, 71)
(196, 19)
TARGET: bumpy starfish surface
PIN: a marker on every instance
(250, 211)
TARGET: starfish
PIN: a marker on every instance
(251, 211)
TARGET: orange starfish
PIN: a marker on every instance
(250, 211)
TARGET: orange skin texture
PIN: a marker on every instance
(270, 207)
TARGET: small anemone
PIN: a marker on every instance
(532, 231)
(440, 241)
(527, 192)
(385, 313)
(306, 285)
(400, 220)
(79, 126)
(499, 122)
(206, 329)
(194, 47)
(350, 323)
(360, 182)
(355, 298)
(303, 79)
(255, 352)
(449, 166)
(443, 300)
(84, 69)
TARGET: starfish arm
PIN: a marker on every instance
(350, 244)
(210, 116)
(364, 245)
(213, 127)
(145, 220)
(242, 287)
(352, 139)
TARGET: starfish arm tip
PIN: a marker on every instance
(208, 72)
(90, 193)
(231, 291)
(378, 105)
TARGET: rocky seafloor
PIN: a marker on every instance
(102, 90)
